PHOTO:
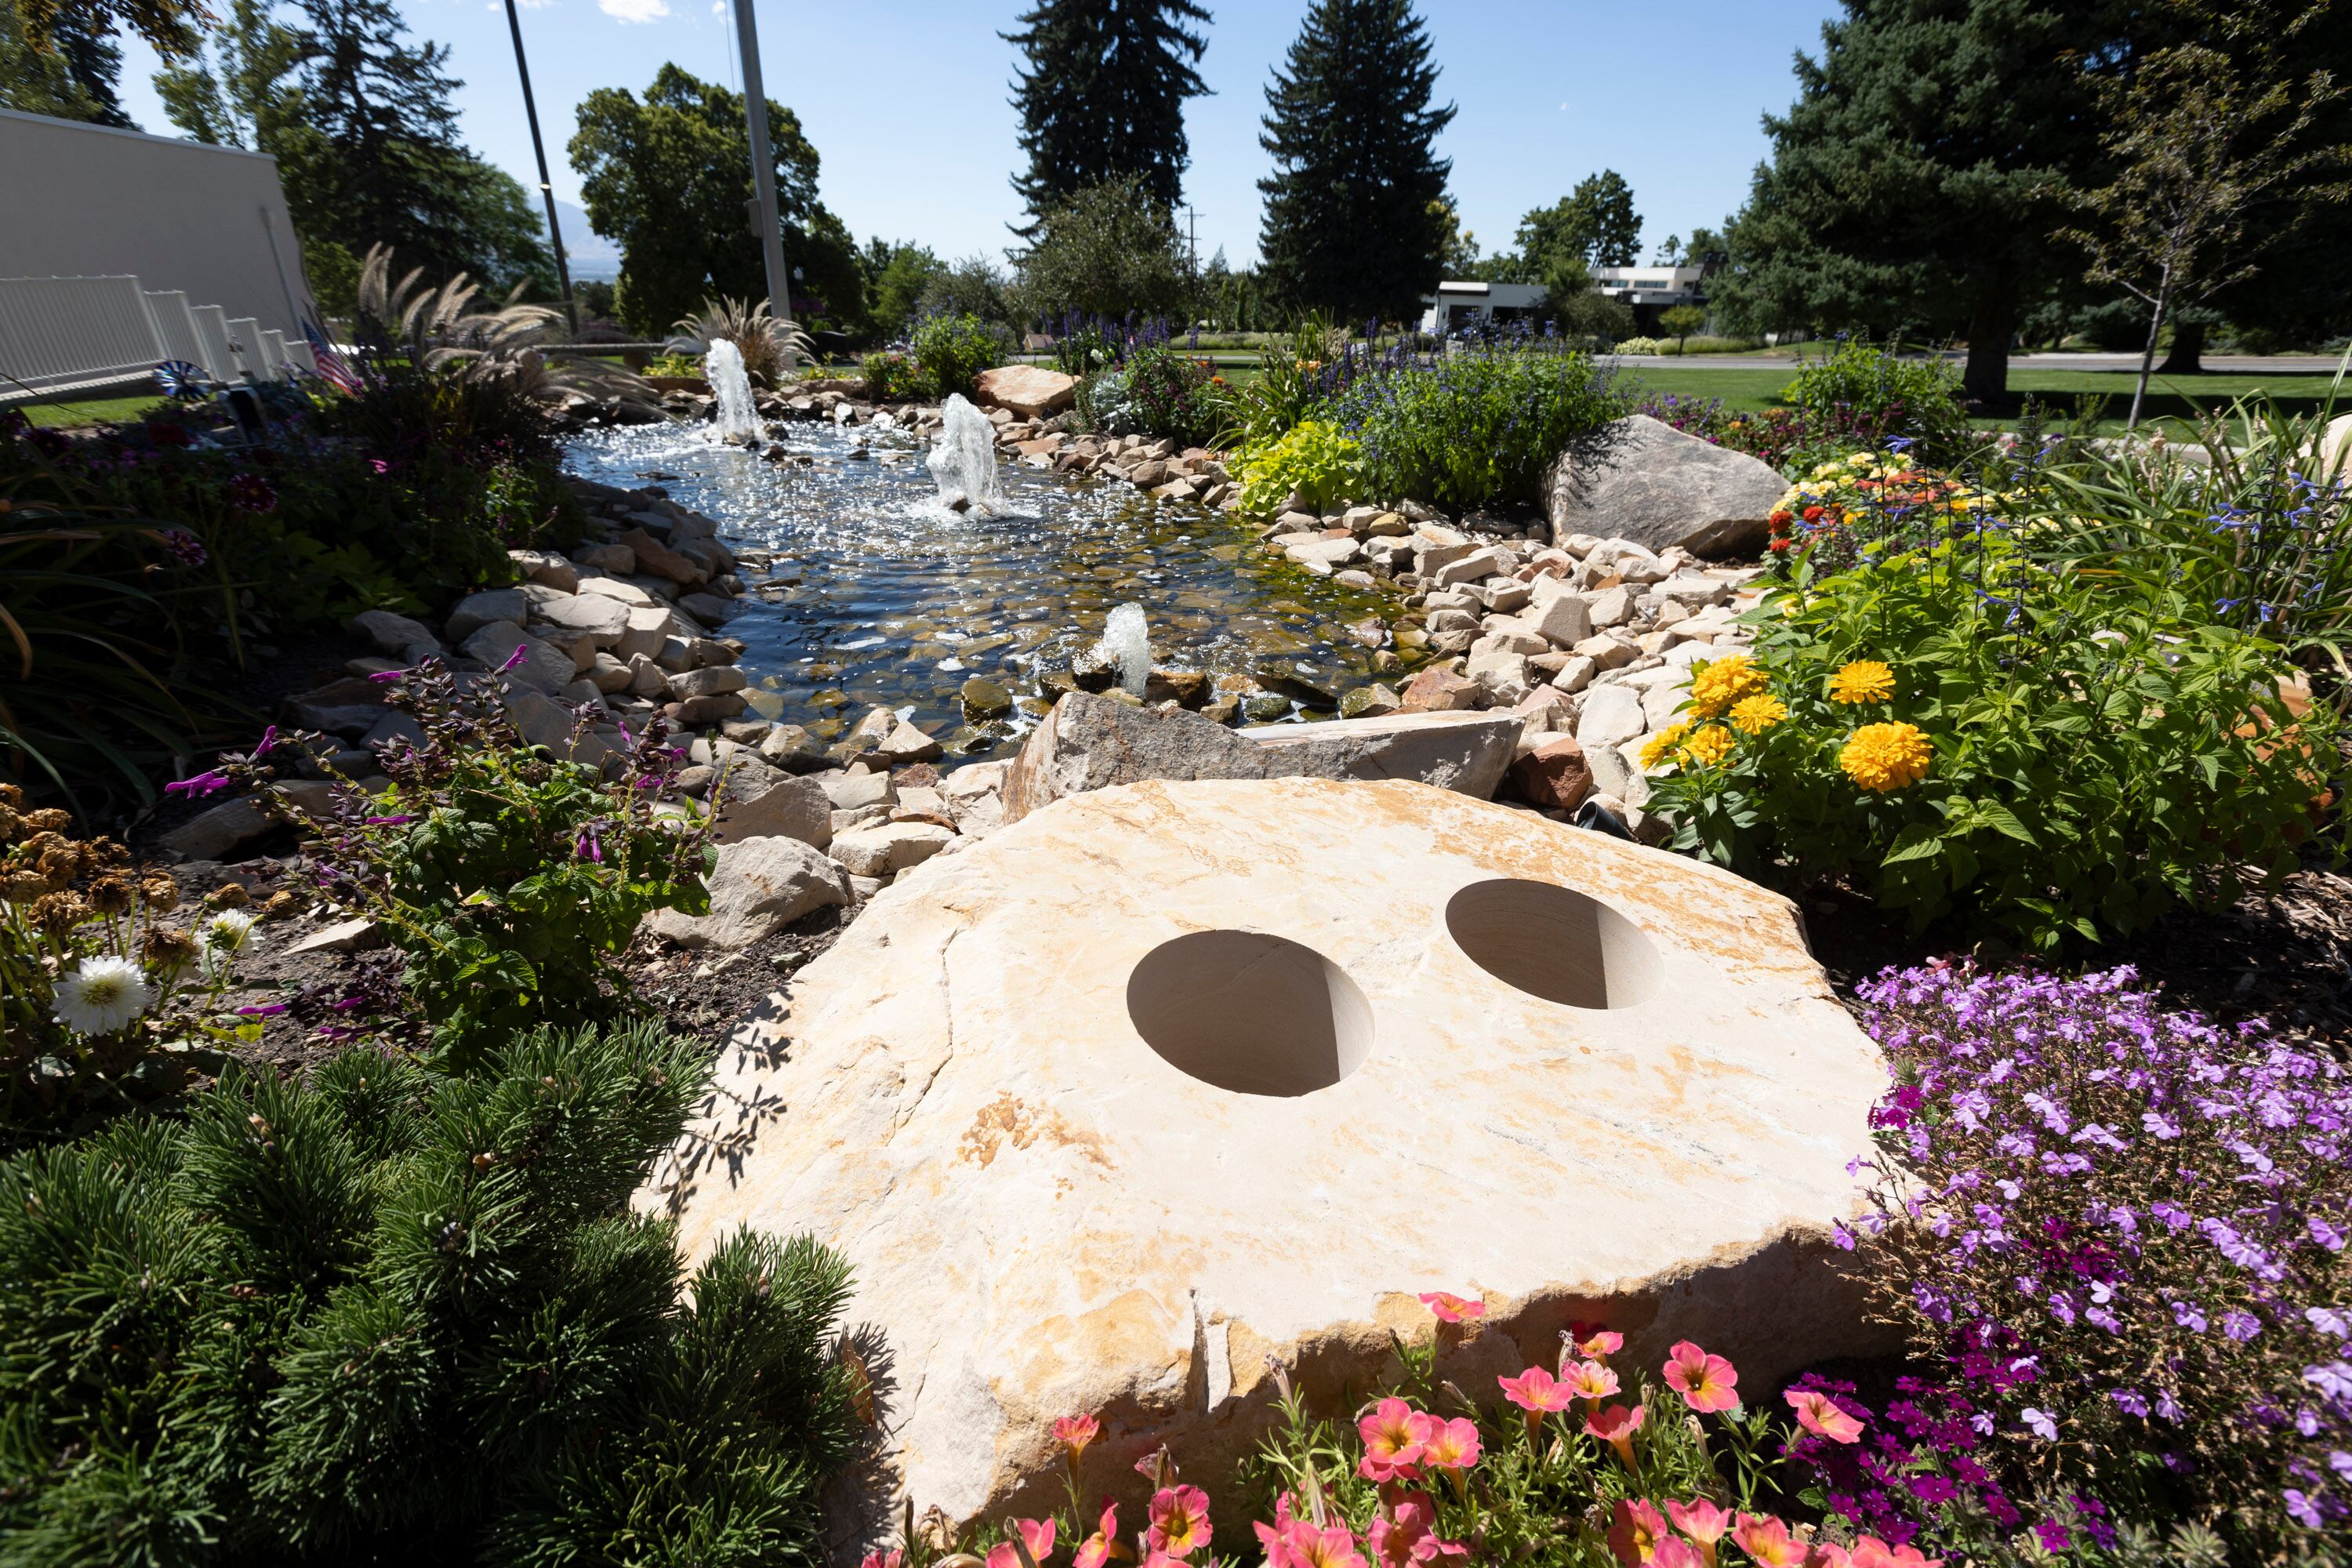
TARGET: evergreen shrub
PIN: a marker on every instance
(382, 1315)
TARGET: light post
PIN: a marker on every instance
(763, 167)
(546, 190)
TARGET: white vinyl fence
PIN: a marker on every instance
(65, 335)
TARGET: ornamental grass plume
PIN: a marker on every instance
(1883, 758)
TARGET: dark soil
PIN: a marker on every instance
(2285, 957)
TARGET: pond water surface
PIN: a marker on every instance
(883, 596)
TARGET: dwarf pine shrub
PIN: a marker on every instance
(382, 1315)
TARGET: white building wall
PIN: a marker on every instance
(86, 200)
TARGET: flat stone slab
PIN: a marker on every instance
(1170, 1079)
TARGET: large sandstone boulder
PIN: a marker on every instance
(1641, 480)
(1027, 390)
(1169, 1083)
(1093, 743)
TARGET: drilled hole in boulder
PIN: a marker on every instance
(1250, 1013)
(1554, 943)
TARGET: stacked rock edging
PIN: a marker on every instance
(1049, 1210)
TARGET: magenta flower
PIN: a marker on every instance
(201, 785)
(521, 652)
(386, 677)
(266, 1010)
(388, 821)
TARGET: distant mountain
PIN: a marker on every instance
(590, 254)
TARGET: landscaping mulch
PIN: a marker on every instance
(2284, 956)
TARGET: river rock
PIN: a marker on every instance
(889, 847)
(544, 667)
(219, 833)
(1076, 1106)
(1641, 480)
(476, 611)
(1611, 715)
(1555, 775)
(788, 807)
(1462, 752)
(602, 621)
(1027, 390)
(760, 886)
(659, 559)
(391, 634)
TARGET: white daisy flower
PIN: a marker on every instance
(101, 997)
(226, 930)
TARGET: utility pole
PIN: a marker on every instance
(763, 167)
(546, 190)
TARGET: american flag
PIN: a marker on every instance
(332, 365)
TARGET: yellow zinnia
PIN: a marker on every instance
(1720, 683)
(1709, 746)
(1754, 715)
(1662, 745)
(1863, 681)
(1884, 757)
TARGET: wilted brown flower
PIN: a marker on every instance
(167, 949)
(22, 886)
(59, 913)
(105, 855)
(12, 797)
(112, 895)
(228, 896)
(161, 890)
(49, 821)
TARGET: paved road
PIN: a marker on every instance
(2228, 364)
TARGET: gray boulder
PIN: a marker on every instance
(1639, 479)
(1465, 752)
(759, 886)
(762, 803)
(390, 633)
(476, 611)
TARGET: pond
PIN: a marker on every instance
(877, 595)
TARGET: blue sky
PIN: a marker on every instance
(906, 100)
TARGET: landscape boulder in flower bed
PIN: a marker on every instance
(1641, 480)
(1166, 1081)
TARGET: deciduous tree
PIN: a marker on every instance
(1106, 251)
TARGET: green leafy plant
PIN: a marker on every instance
(1296, 375)
(952, 352)
(1866, 395)
(1482, 426)
(380, 1315)
(1314, 460)
(511, 878)
(894, 377)
(2258, 533)
(1171, 394)
(1957, 730)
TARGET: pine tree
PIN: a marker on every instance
(1612, 228)
(69, 71)
(1354, 222)
(1918, 183)
(1102, 97)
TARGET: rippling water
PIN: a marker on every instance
(899, 601)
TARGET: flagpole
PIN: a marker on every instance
(546, 190)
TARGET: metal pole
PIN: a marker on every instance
(763, 166)
(546, 190)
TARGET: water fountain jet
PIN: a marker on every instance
(739, 421)
(964, 460)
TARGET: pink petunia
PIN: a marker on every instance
(1408, 1534)
(1819, 1415)
(1179, 1520)
(1391, 1441)
(1676, 1553)
(1037, 1536)
(1590, 1382)
(1591, 1339)
(1615, 1426)
(1706, 1382)
(1075, 1432)
(1537, 1392)
(890, 1559)
(1701, 1520)
(1872, 1552)
(1103, 1545)
(1768, 1541)
(1635, 1527)
(1453, 1309)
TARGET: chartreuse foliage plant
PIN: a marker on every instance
(1315, 459)
(1482, 426)
(382, 1315)
(1956, 730)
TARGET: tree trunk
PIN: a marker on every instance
(1986, 379)
(2147, 354)
(2188, 349)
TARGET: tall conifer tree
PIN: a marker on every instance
(1103, 95)
(1354, 215)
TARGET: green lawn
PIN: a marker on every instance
(98, 410)
(2169, 398)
